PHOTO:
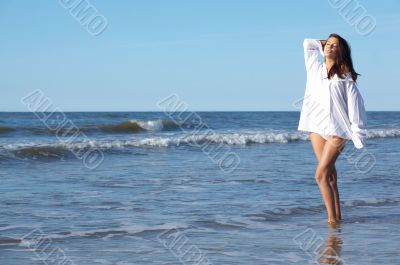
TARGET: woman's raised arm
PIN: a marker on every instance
(312, 48)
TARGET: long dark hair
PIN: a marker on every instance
(343, 60)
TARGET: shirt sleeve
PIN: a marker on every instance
(357, 115)
(312, 48)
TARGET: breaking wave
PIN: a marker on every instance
(60, 150)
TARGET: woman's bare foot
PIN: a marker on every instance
(333, 221)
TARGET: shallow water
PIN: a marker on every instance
(159, 198)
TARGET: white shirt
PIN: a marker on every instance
(331, 106)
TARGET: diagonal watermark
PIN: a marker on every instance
(86, 15)
(355, 15)
(178, 244)
(364, 161)
(45, 249)
(320, 252)
(177, 110)
(65, 130)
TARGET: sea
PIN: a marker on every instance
(194, 188)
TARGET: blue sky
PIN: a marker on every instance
(216, 55)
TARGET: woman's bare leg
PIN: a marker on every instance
(318, 143)
(333, 183)
(323, 174)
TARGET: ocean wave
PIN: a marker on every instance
(383, 133)
(128, 126)
(40, 152)
(214, 224)
(279, 213)
(135, 126)
(64, 150)
(9, 241)
(37, 152)
(131, 230)
(60, 150)
(124, 127)
(371, 202)
(6, 129)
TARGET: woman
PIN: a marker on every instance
(332, 112)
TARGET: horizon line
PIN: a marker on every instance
(27, 111)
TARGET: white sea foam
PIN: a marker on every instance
(150, 125)
(241, 138)
(107, 232)
(383, 133)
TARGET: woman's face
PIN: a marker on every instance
(331, 48)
